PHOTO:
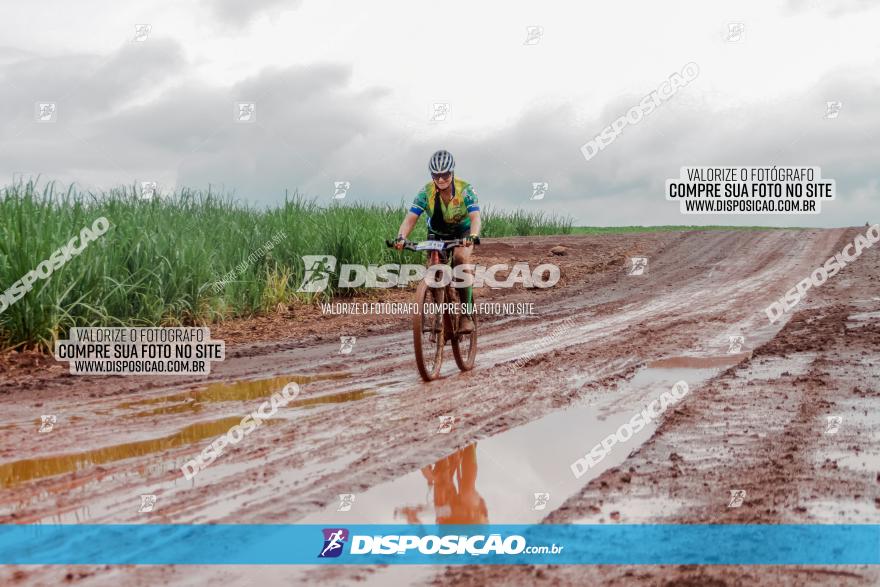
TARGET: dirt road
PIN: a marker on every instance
(546, 389)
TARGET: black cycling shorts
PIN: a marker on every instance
(457, 233)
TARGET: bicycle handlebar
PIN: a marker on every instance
(450, 244)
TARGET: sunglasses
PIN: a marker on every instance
(446, 175)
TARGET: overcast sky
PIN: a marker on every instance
(345, 91)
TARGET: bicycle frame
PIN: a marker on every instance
(464, 345)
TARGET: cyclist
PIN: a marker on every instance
(454, 483)
(453, 213)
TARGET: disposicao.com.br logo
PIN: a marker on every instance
(450, 544)
(334, 540)
(319, 269)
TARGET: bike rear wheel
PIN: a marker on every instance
(464, 347)
(428, 331)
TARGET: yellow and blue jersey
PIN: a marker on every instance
(455, 214)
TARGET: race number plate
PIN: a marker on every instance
(430, 246)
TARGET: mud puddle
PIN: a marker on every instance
(227, 392)
(196, 406)
(36, 468)
(521, 475)
(30, 469)
(699, 362)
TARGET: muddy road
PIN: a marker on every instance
(547, 388)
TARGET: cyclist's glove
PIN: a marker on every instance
(399, 239)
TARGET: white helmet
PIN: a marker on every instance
(441, 162)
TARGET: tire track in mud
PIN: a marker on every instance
(699, 286)
(762, 427)
(485, 401)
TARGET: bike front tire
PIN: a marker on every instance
(428, 321)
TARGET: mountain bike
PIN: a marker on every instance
(438, 314)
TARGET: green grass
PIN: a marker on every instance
(159, 260)
(522, 223)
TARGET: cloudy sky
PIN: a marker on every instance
(346, 91)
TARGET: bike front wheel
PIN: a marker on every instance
(428, 332)
(464, 346)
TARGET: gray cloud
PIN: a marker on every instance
(136, 116)
(624, 183)
(88, 84)
(238, 14)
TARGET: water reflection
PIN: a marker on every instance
(29, 469)
(453, 482)
(246, 390)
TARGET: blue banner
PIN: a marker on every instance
(146, 544)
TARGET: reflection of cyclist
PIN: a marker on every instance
(453, 212)
(454, 479)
